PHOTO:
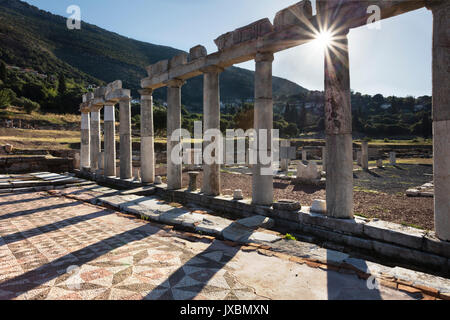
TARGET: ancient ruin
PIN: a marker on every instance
(259, 41)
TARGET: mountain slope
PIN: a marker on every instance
(34, 38)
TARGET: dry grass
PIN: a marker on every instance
(51, 118)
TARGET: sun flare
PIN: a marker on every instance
(323, 39)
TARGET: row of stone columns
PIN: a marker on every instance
(90, 150)
(338, 157)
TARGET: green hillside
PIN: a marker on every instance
(36, 39)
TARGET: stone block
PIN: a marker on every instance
(394, 233)
(178, 60)
(247, 33)
(367, 267)
(197, 52)
(256, 222)
(224, 41)
(287, 205)
(319, 206)
(213, 225)
(308, 173)
(434, 245)
(237, 194)
(158, 68)
(262, 237)
(88, 96)
(349, 226)
(115, 85)
(293, 15)
(252, 31)
(237, 233)
(117, 94)
(100, 92)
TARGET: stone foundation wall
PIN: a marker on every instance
(404, 245)
(17, 164)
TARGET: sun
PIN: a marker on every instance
(323, 39)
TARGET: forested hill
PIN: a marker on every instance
(36, 39)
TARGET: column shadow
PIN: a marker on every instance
(18, 236)
(31, 211)
(341, 286)
(37, 277)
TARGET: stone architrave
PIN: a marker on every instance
(297, 14)
(247, 33)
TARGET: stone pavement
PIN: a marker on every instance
(53, 247)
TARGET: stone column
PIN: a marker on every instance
(211, 120)
(110, 141)
(338, 127)
(304, 155)
(441, 118)
(147, 137)
(174, 171)
(324, 159)
(126, 161)
(95, 139)
(285, 144)
(262, 184)
(365, 155)
(392, 158)
(85, 141)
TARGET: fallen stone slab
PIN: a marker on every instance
(213, 225)
(256, 222)
(420, 279)
(143, 208)
(259, 237)
(367, 267)
(142, 191)
(118, 201)
(237, 233)
(179, 216)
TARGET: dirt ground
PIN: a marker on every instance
(379, 193)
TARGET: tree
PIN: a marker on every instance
(426, 126)
(62, 87)
(3, 72)
(378, 99)
(244, 118)
(6, 97)
(302, 118)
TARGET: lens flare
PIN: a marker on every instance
(324, 39)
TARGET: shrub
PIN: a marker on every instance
(290, 237)
(28, 105)
(6, 97)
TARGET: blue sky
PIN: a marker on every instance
(395, 60)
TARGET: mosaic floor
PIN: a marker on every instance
(58, 248)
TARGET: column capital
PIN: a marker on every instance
(96, 108)
(175, 83)
(436, 4)
(264, 56)
(145, 92)
(212, 69)
(109, 104)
